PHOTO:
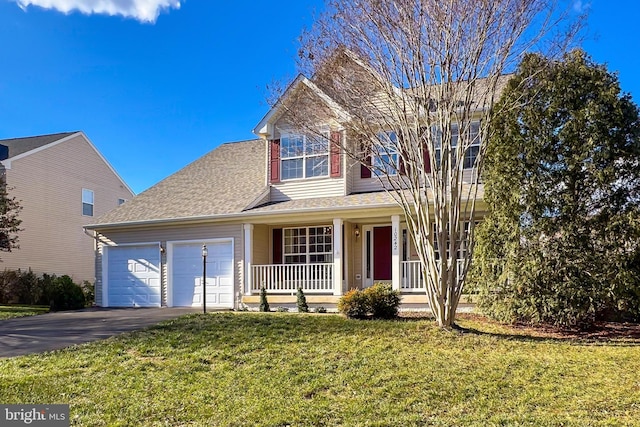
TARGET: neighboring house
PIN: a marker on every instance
(62, 183)
(281, 212)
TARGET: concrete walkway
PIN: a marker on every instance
(52, 331)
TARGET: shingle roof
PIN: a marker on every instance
(380, 198)
(19, 146)
(224, 181)
(360, 200)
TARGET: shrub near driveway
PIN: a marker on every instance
(303, 370)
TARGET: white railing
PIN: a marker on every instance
(287, 278)
(413, 279)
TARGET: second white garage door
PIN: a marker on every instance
(185, 272)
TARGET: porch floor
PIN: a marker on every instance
(410, 302)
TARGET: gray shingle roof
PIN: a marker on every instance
(360, 200)
(19, 146)
(380, 198)
(224, 181)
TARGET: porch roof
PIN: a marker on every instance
(379, 199)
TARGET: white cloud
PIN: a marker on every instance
(142, 10)
(581, 6)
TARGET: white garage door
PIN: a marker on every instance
(133, 276)
(186, 274)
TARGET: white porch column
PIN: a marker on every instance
(337, 256)
(248, 257)
(395, 252)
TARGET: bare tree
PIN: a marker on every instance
(411, 83)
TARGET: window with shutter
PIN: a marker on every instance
(275, 161)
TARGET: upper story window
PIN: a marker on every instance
(121, 201)
(473, 150)
(384, 158)
(304, 156)
(87, 202)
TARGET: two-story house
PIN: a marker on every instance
(286, 211)
(62, 183)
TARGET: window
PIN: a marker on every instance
(305, 156)
(87, 202)
(121, 201)
(385, 156)
(308, 245)
(474, 147)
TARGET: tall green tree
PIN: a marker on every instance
(561, 242)
(9, 221)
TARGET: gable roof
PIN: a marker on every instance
(19, 146)
(224, 181)
(299, 83)
(22, 147)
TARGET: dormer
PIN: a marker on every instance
(304, 161)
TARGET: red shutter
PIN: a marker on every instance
(274, 157)
(365, 172)
(277, 245)
(334, 154)
(402, 168)
(426, 159)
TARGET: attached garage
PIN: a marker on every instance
(131, 276)
(185, 269)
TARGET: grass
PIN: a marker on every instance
(11, 311)
(308, 370)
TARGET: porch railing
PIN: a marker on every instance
(287, 278)
(413, 279)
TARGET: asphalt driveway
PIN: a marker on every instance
(52, 331)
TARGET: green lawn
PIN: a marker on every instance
(10, 311)
(283, 369)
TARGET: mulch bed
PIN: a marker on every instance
(600, 332)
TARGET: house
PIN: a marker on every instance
(283, 211)
(62, 183)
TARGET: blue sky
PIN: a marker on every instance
(156, 87)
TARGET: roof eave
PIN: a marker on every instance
(248, 215)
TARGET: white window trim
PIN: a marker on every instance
(454, 137)
(386, 147)
(307, 253)
(324, 131)
(92, 202)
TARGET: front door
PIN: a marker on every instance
(377, 255)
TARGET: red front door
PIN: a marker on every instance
(381, 253)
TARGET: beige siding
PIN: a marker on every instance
(305, 189)
(98, 270)
(49, 185)
(261, 244)
(177, 233)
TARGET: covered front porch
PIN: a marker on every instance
(327, 258)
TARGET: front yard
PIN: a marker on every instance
(10, 311)
(289, 369)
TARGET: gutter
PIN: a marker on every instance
(216, 218)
